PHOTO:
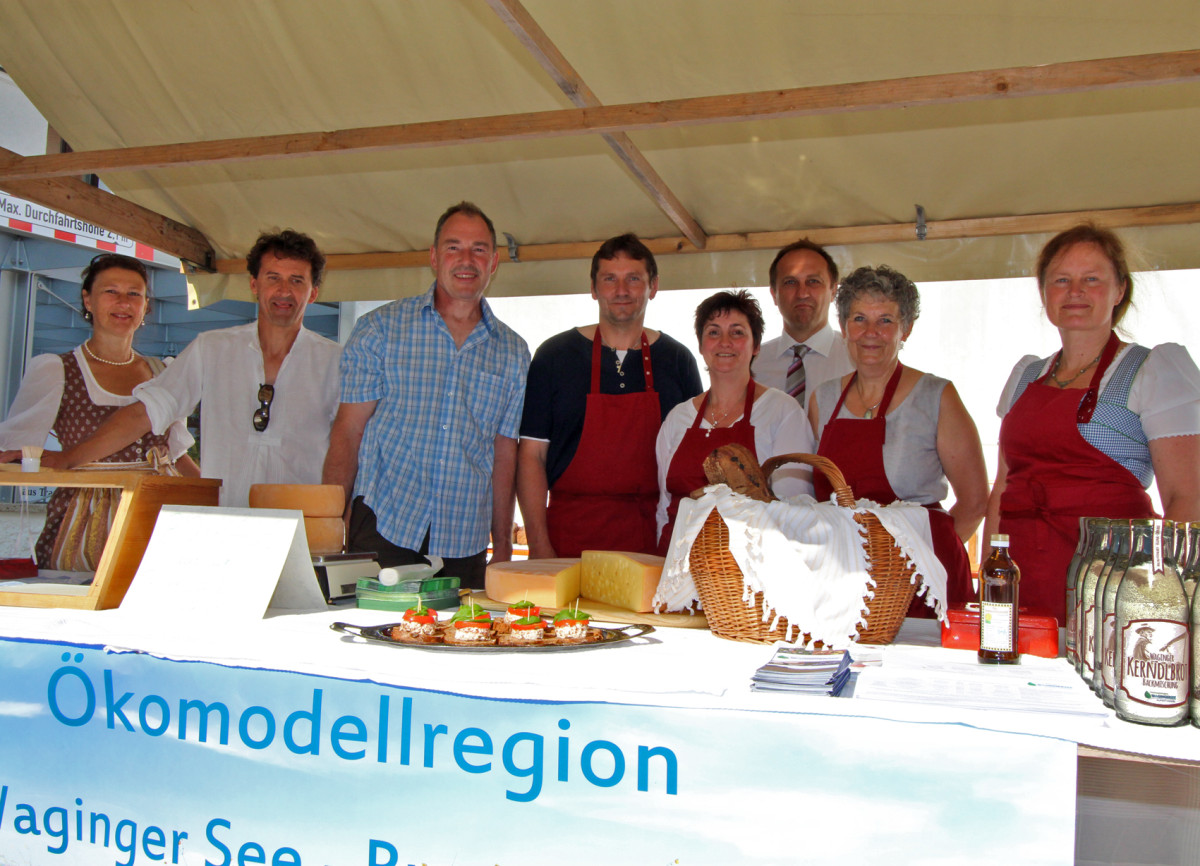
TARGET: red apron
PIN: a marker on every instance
(1055, 477)
(607, 498)
(686, 472)
(855, 445)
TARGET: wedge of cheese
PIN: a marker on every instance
(313, 500)
(325, 534)
(545, 582)
(621, 579)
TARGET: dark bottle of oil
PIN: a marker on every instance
(998, 620)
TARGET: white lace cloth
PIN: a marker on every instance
(807, 558)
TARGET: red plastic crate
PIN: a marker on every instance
(1038, 635)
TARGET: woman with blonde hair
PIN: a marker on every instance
(1087, 429)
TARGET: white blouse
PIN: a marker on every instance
(32, 413)
(780, 427)
(1165, 393)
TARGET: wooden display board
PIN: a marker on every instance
(142, 494)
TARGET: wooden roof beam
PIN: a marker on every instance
(1076, 76)
(536, 41)
(1152, 215)
(72, 196)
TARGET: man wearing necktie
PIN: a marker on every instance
(803, 279)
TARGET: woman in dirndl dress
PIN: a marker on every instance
(1088, 428)
(72, 394)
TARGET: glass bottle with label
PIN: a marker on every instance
(1189, 568)
(1152, 652)
(1078, 560)
(1106, 615)
(1181, 545)
(1194, 697)
(1096, 569)
(1097, 549)
(999, 623)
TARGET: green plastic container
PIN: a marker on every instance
(426, 584)
(438, 593)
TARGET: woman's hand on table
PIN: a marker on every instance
(54, 460)
(10, 456)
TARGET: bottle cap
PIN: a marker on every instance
(999, 540)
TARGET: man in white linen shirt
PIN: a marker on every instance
(803, 279)
(269, 388)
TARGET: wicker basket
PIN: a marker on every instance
(720, 585)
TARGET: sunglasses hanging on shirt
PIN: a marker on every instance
(262, 415)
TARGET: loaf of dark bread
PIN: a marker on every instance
(735, 466)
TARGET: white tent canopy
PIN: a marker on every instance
(717, 130)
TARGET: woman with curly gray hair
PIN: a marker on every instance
(895, 432)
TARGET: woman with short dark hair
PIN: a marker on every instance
(735, 409)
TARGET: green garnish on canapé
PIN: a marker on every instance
(528, 622)
(420, 613)
(569, 614)
(470, 612)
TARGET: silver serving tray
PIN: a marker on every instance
(607, 637)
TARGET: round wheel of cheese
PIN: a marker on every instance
(314, 500)
(325, 534)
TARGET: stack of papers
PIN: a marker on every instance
(793, 669)
(1037, 685)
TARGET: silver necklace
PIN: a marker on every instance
(869, 413)
(714, 418)
(132, 357)
(1082, 370)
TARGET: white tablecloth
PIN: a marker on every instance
(671, 667)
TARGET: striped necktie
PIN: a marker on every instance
(795, 373)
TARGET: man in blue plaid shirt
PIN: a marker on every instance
(425, 439)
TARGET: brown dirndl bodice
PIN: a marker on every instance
(80, 544)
